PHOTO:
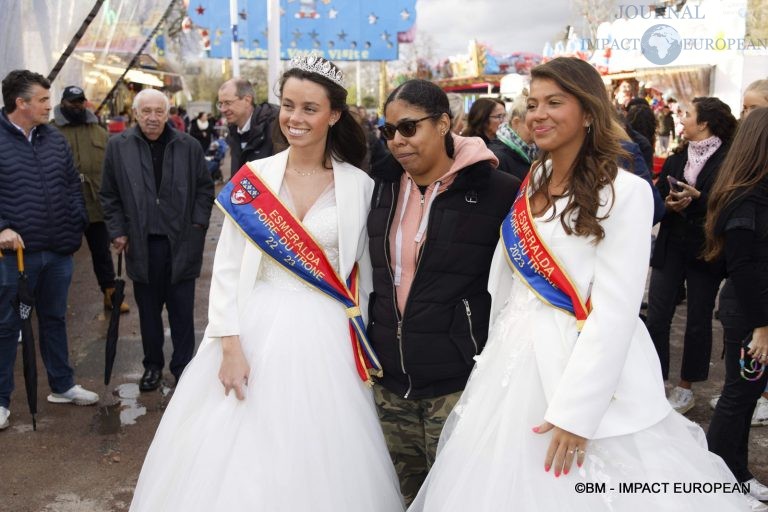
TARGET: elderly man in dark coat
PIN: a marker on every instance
(157, 196)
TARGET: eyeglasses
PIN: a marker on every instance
(225, 104)
(498, 117)
(406, 128)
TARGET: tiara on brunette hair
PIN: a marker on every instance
(316, 64)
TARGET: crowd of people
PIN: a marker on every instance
(442, 314)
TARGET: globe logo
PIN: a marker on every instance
(661, 44)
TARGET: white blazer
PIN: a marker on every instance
(237, 261)
(607, 380)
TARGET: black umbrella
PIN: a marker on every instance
(118, 295)
(25, 302)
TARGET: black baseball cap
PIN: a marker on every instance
(73, 93)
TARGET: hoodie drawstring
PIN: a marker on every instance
(419, 234)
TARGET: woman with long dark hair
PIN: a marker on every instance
(568, 393)
(737, 229)
(685, 182)
(275, 411)
(484, 118)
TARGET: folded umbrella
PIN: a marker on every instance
(24, 303)
(110, 349)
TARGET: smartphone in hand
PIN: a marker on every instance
(674, 184)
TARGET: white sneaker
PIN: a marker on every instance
(760, 416)
(755, 505)
(757, 489)
(681, 399)
(4, 415)
(75, 395)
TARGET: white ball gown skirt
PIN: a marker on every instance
(489, 459)
(306, 437)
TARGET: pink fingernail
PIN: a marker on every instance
(557, 474)
(535, 429)
(565, 471)
(546, 467)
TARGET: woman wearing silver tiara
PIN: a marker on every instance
(272, 413)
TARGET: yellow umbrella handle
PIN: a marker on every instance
(20, 258)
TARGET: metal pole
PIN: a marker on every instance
(235, 45)
(137, 56)
(359, 92)
(76, 39)
(273, 49)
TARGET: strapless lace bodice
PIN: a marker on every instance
(322, 223)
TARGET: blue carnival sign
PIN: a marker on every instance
(335, 29)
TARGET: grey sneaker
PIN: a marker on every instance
(75, 395)
(681, 399)
(4, 415)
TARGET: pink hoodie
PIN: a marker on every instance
(412, 212)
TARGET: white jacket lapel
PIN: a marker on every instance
(347, 208)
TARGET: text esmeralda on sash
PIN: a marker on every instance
(532, 260)
(271, 226)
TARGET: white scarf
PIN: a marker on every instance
(698, 154)
(203, 125)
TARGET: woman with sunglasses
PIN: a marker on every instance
(437, 206)
(567, 396)
(484, 118)
(737, 229)
(275, 412)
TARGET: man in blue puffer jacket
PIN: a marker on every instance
(42, 210)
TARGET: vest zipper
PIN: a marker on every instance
(388, 258)
(469, 319)
(401, 318)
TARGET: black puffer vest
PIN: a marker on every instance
(428, 351)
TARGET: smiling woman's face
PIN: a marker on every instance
(555, 117)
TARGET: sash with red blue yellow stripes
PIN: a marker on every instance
(532, 260)
(271, 226)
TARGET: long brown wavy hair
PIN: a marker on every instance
(595, 165)
(744, 169)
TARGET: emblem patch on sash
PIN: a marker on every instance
(244, 192)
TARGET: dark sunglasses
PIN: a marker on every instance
(406, 128)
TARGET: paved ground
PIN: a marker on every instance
(87, 459)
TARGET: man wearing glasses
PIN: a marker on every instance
(157, 196)
(250, 126)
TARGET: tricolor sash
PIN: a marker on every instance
(269, 224)
(532, 260)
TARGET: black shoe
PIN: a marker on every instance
(150, 381)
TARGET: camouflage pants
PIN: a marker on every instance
(412, 429)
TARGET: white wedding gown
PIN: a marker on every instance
(490, 460)
(306, 437)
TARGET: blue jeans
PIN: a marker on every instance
(49, 277)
